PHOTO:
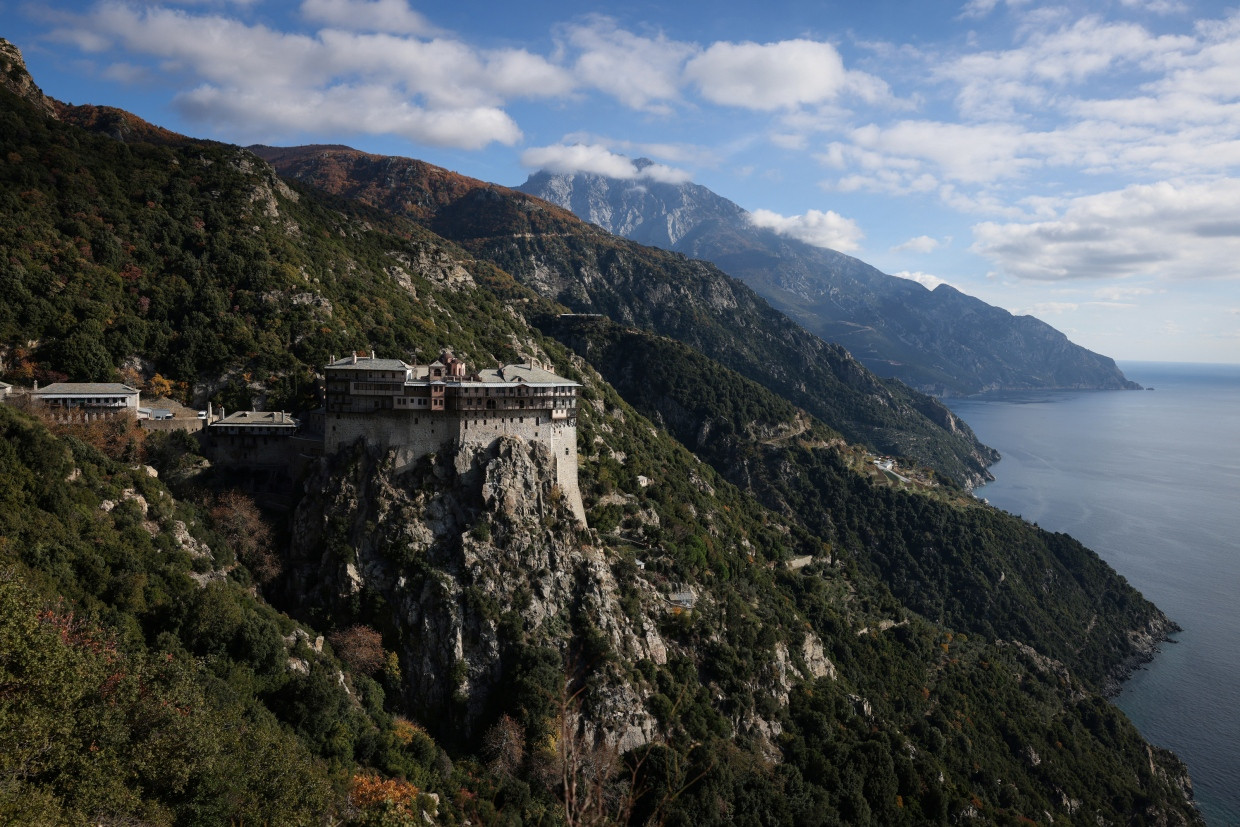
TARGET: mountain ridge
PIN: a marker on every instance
(940, 341)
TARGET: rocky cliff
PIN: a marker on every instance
(453, 549)
(15, 78)
(478, 565)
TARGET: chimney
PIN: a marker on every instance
(372, 355)
(355, 357)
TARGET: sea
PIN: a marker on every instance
(1151, 481)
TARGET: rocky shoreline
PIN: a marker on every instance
(1144, 644)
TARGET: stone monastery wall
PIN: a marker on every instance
(417, 411)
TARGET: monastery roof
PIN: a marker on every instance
(367, 363)
(87, 389)
(255, 418)
(523, 373)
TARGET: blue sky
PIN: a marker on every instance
(1076, 162)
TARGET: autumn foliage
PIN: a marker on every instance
(384, 800)
(359, 646)
(237, 519)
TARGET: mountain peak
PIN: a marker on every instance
(941, 341)
(16, 78)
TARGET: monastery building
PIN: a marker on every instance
(417, 410)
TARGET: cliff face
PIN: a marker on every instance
(15, 78)
(477, 563)
(476, 566)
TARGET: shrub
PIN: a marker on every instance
(361, 647)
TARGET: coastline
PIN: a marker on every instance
(1141, 480)
(1145, 645)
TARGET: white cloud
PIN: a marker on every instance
(1073, 95)
(692, 154)
(1166, 230)
(127, 73)
(598, 160)
(259, 83)
(388, 16)
(349, 111)
(1053, 59)
(977, 9)
(788, 140)
(773, 76)
(1156, 6)
(924, 279)
(447, 73)
(640, 72)
(920, 244)
(1119, 294)
(821, 229)
(970, 153)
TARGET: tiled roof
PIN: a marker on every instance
(257, 418)
(86, 389)
(366, 363)
(523, 373)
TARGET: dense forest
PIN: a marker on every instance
(405, 648)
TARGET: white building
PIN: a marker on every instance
(89, 399)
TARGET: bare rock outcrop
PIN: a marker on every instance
(474, 561)
(16, 78)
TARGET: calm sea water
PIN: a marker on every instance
(1151, 481)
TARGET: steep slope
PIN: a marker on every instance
(941, 342)
(591, 271)
(142, 679)
(942, 554)
(810, 695)
(194, 260)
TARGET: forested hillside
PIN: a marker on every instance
(591, 271)
(804, 645)
(942, 554)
